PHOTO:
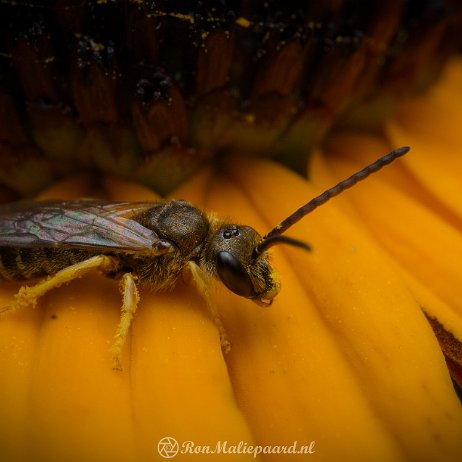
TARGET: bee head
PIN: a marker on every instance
(242, 264)
(237, 254)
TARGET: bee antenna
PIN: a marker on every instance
(332, 192)
(274, 240)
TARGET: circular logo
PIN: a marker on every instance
(168, 447)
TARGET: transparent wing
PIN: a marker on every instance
(80, 223)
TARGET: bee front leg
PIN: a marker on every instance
(129, 304)
(201, 286)
(28, 295)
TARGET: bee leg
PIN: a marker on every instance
(129, 304)
(28, 295)
(201, 286)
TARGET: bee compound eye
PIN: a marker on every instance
(233, 275)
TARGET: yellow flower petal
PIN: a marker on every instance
(431, 125)
(344, 357)
(370, 316)
(413, 233)
(63, 401)
(414, 210)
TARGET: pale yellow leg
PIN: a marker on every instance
(129, 304)
(202, 288)
(28, 295)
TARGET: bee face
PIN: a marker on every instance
(231, 256)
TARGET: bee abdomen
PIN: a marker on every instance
(24, 263)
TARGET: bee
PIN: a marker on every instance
(145, 244)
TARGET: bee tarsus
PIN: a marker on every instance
(202, 287)
(130, 299)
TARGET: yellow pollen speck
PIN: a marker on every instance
(250, 118)
(243, 22)
(183, 16)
